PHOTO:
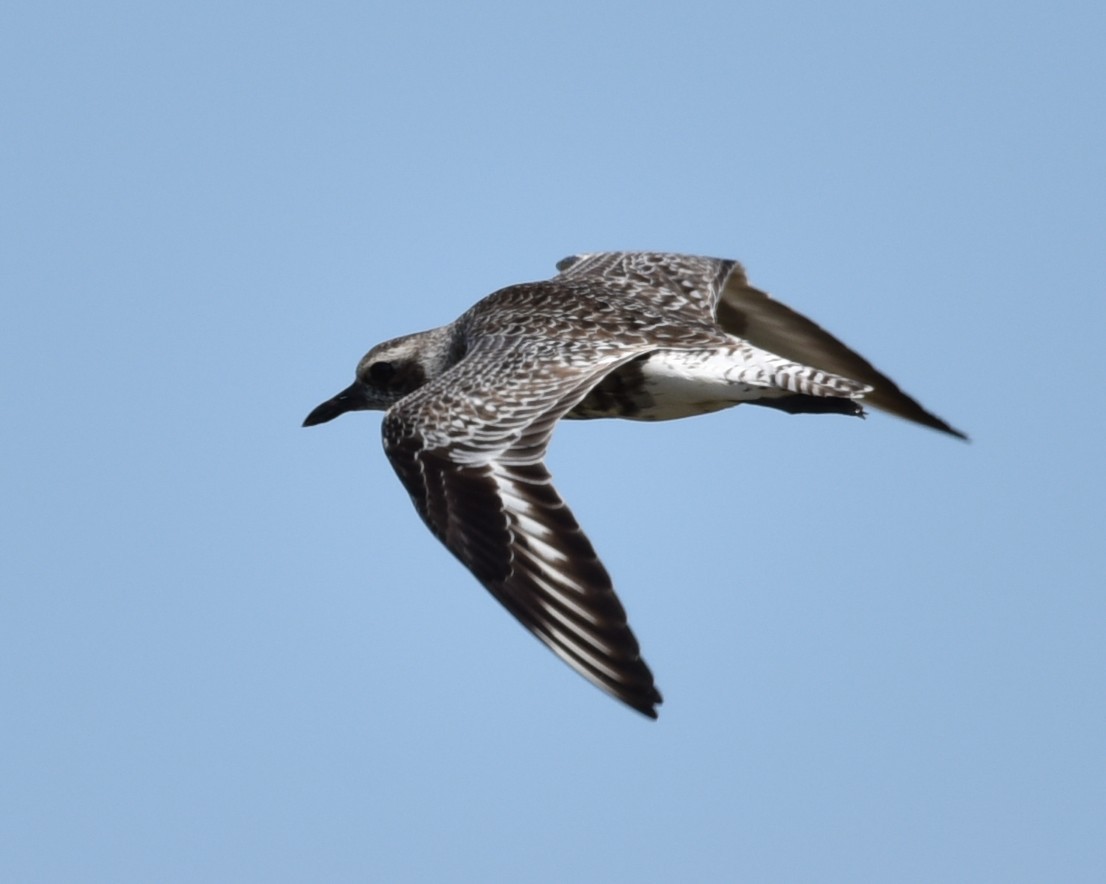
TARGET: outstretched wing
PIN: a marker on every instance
(477, 478)
(720, 288)
(679, 284)
(749, 313)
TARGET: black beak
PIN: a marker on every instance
(350, 399)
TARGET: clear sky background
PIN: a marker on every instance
(229, 649)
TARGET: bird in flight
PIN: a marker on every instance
(470, 408)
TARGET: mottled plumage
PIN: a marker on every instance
(471, 407)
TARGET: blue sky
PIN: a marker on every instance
(229, 650)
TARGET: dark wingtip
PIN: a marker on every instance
(894, 401)
(937, 424)
(646, 706)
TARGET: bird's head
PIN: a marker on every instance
(386, 374)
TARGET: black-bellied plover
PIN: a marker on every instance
(471, 407)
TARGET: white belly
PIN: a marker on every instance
(685, 383)
(671, 384)
(682, 383)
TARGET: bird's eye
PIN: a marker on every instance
(381, 372)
